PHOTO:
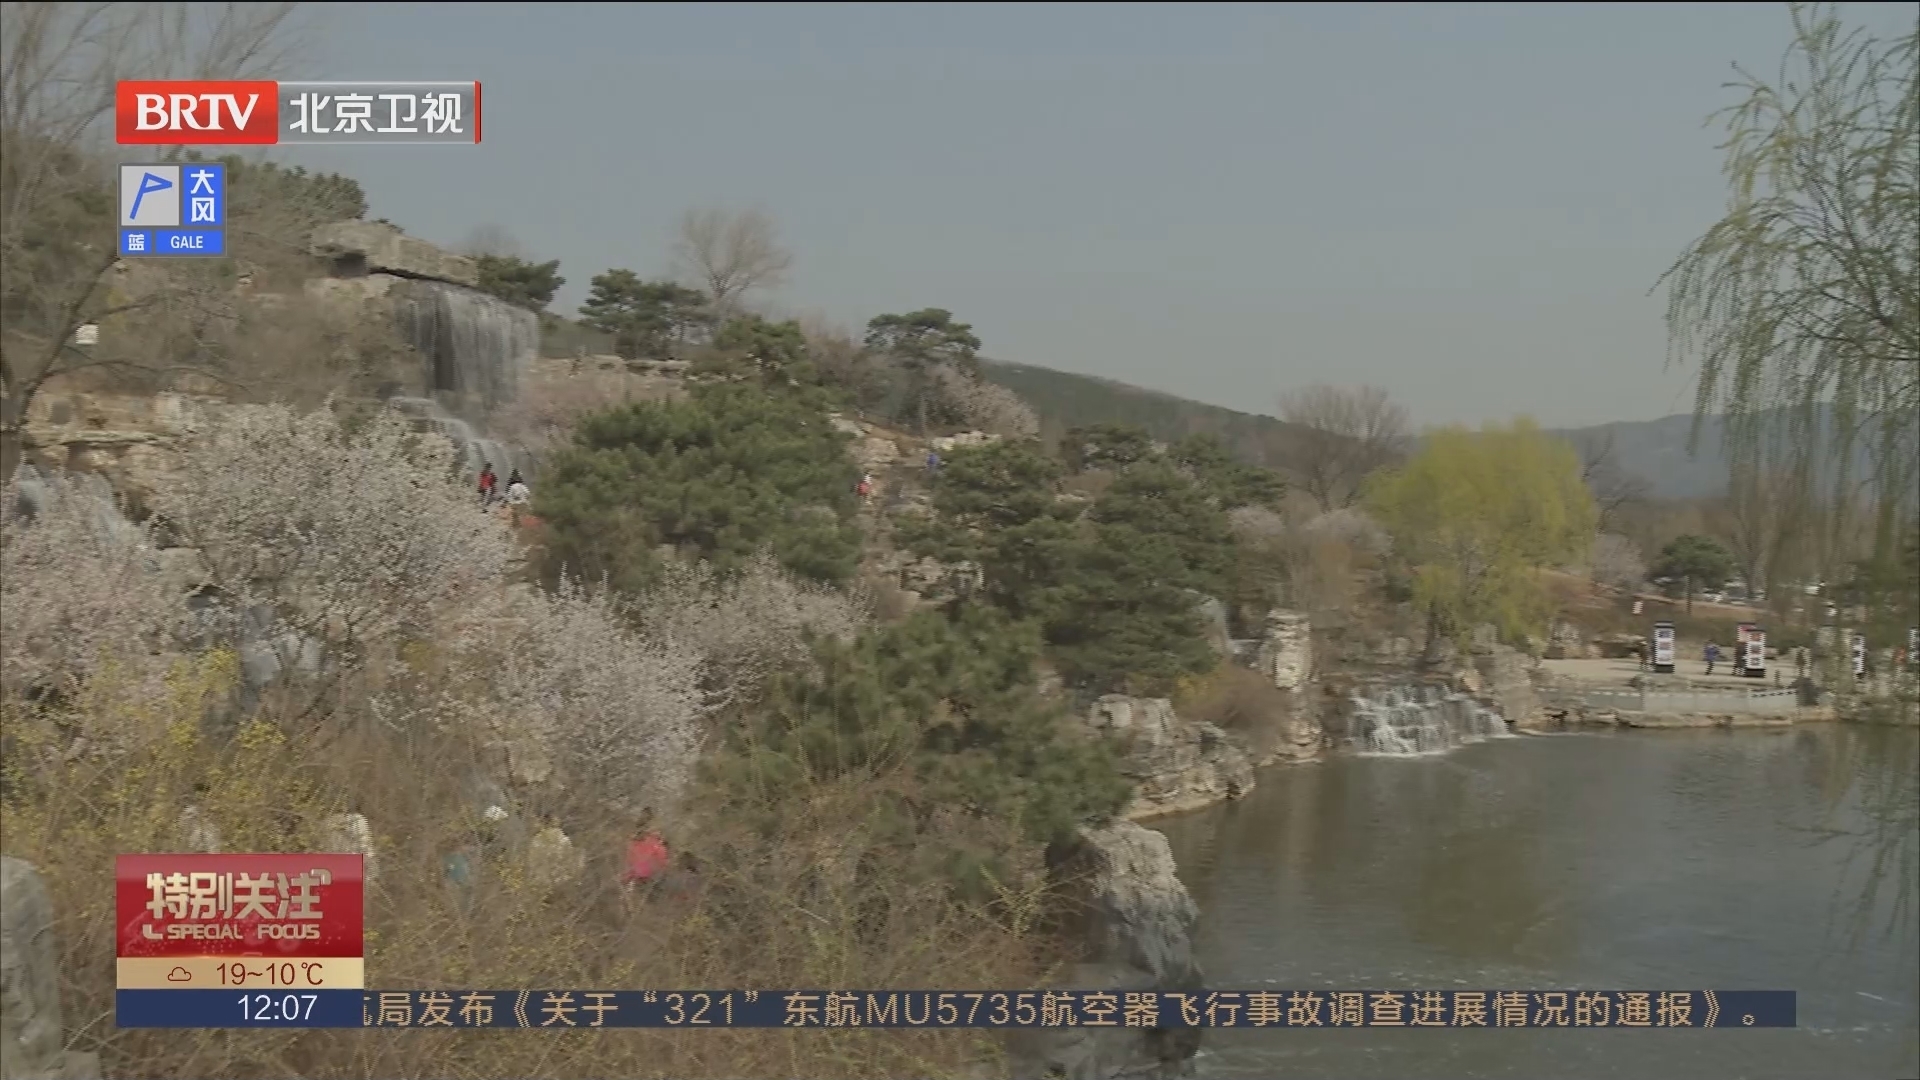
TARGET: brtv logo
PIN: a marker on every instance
(201, 113)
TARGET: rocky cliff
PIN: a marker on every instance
(1175, 765)
(1179, 764)
(1133, 922)
(1502, 678)
(32, 1033)
(1285, 658)
(130, 441)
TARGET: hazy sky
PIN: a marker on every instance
(1465, 204)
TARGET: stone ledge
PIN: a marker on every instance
(1687, 721)
(378, 247)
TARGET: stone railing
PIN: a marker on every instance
(1742, 701)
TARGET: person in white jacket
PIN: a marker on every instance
(517, 493)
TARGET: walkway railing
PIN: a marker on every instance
(1743, 700)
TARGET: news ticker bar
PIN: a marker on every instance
(560, 1009)
(267, 113)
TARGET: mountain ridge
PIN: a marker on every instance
(1654, 450)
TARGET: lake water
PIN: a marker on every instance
(1765, 860)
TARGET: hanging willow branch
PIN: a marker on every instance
(1802, 305)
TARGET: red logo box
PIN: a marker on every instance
(240, 905)
(156, 112)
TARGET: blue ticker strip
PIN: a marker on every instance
(1293, 1009)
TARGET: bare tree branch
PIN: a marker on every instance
(730, 253)
(59, 64)
(1613, 487)
(491, 240)
(1347, 434)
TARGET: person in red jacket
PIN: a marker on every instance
(647, 855)
(488, 484)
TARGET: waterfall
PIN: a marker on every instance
(1402, 720)
(36, 490)
(475, 450)
(476, 346)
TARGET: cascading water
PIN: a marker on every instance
(1405, 720)
(35, 490)
(475, 450)
(476, 346)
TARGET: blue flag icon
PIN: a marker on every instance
(149, 183)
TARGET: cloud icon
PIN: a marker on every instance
(179, 974)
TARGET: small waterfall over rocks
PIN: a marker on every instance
(37, 490)
(475, 450)
(1416, 719)
(477, 347)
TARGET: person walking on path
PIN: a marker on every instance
(865, 488)
(488, 483)
(1712, 656)
(517, 493)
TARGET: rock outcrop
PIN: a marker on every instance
(1175, 765)
(1505, 685)
(350, 834)
(552, 860)
(131, 441)
(32, 1036)
(357, 248)
(1213, 617)
(476, 348)
(1134, 923)
(876, 452)
(1285, 656)
(962, 441)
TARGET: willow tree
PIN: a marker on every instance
(1476, 515)
(1802, 304)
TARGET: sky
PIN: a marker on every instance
(1468, 205)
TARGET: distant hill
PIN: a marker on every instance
(1065, 400)
(1653, 449)
(1656, 451)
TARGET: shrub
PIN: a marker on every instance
(749, 625)
(826, 896)
(351, 533)
(567, 671)
(721, 476)
(80, 595)
(950, 695)
(981, 405)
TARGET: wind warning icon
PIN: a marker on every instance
(149, 196)
(173, 210)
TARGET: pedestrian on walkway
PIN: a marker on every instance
(517, 493)
(488, 484)
(1713, 656)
